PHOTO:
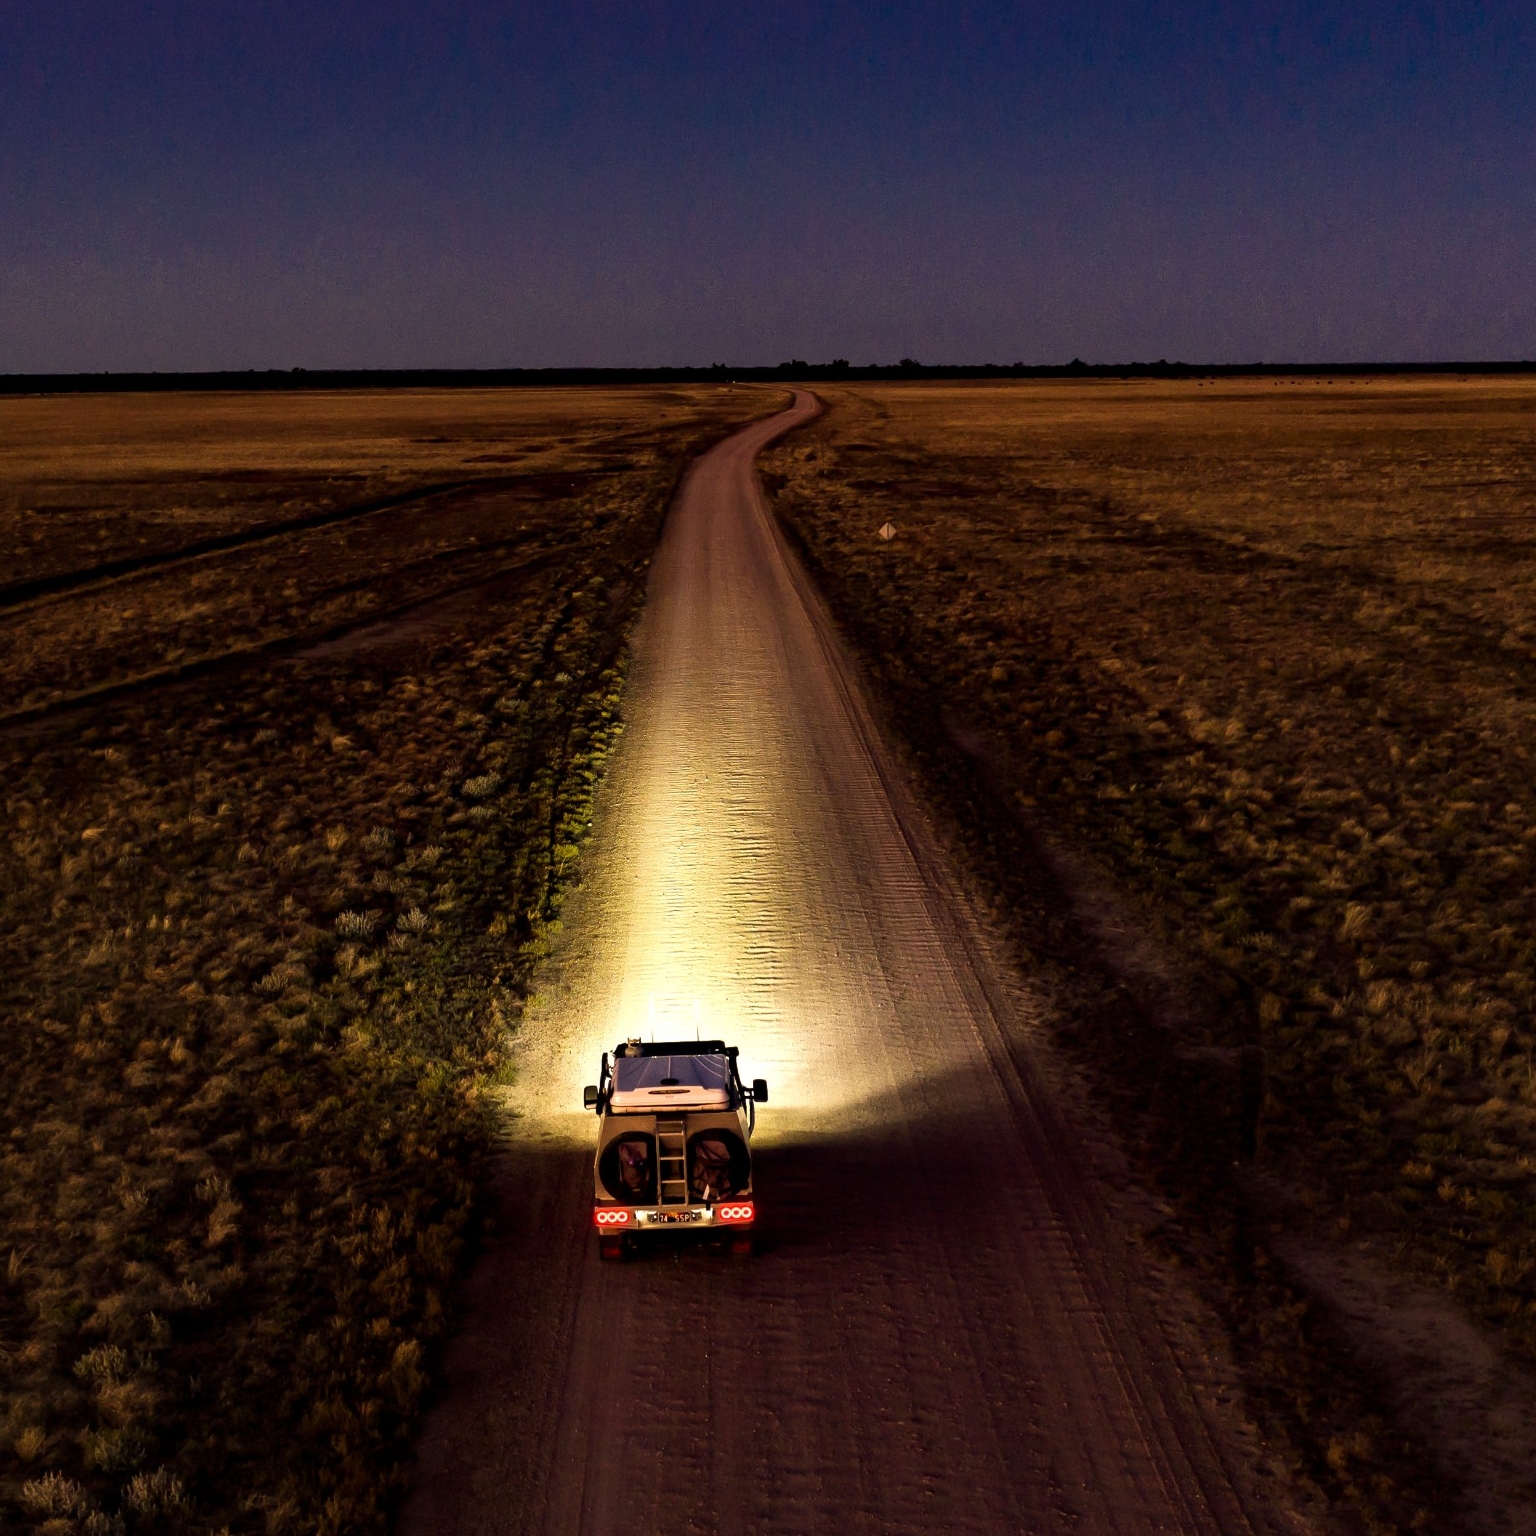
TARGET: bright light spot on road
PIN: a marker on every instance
(696, 920)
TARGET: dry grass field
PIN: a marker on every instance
(302, 703)
(1257, 658)
(148, 535)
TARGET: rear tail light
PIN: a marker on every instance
(611, 1215)
(736, 1211)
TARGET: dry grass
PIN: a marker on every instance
(1263, 652)
(265, 932)
(468, 483)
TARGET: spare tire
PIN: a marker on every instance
(719, 1165)
(627, 1168)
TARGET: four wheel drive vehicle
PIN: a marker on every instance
(674, 1124)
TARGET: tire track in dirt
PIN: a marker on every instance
(367, 630)
(15, 593)
(945, 1330)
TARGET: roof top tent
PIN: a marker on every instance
(659, 1083)
(672, 1154)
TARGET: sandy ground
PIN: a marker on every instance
(945, 1330)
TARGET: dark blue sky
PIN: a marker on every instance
(193, 185)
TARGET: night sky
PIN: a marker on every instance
(383, 184)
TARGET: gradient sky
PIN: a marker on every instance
(380, 184)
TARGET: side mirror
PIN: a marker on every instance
(760, 1090)
(589, 1097)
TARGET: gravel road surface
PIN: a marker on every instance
(946, 1329)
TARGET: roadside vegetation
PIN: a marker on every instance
(266, 924)
(1258, 658)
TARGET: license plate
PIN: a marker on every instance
(668, 1217)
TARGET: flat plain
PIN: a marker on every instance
(1221, 694)
(1230, 689)
(302, 701)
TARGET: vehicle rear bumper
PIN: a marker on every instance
(615, 1220)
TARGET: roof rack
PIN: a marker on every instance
(675, 1048)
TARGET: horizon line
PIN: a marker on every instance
(796, 370)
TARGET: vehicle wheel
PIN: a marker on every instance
(610, 1247)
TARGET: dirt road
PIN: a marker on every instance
(944, 1332)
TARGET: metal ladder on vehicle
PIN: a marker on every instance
(671, 1162)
